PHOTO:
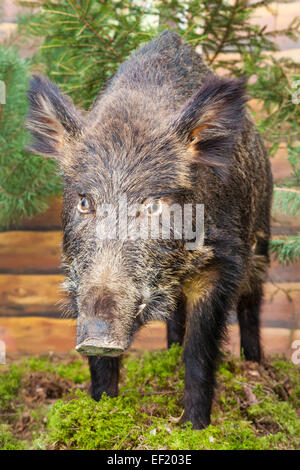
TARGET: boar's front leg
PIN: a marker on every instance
(205, 329)
(104, 375)
(202, 343)
(176, 324)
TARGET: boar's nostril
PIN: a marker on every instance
(91, 328)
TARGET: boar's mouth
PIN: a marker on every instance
(96, 347)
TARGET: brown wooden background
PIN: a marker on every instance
(30, 276)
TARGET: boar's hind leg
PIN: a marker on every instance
(104, 375)
(248, 307)
(176, 324)
(248, 315)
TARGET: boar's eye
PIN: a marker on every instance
(154, 207)
(84, 205)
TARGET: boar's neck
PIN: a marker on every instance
(164, 70)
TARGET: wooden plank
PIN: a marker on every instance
(31, 335)
(34, 252)
(42, 335)
(281, 305)
(279, 273)
(30, 252)
(285, 223)
(293, 54)
(34, 295)
(278, 15)
(10, 10)
(288, 54)
(274, 340)
(278, 229)
(281, 167)
(30, 294)
(6, 31)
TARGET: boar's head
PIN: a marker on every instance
(132, 147)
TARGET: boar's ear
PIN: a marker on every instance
(52, 118)
(211, 121)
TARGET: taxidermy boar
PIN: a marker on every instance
(165, 133)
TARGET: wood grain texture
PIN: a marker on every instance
(279, 273)
(281, 168)
(274, 340)
(34, 252)
(281, 305)
(39, 295)
(30, 252)
(278, 15)
(42, 335)
(30, 294)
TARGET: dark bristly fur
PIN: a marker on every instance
(164, 127)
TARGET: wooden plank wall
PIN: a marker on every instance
(30, 274)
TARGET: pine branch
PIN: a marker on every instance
(26, 181)
(287, 190)
(82, 17)
(6, 81)
(84, 43)
(226, 33)
(286, 249)
(286, 200)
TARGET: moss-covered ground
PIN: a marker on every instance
(45, 404)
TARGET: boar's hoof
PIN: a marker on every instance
(95, 347)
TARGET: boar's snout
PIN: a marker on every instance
(101, 326)
(95, 338)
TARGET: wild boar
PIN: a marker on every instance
(164, 131)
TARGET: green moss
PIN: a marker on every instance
(84, 424)
(227, 436)
(277, 414)
(255, 406)
(76, 370)
(158, 369)
(286, 369)
(8, 441)
(9, 385)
